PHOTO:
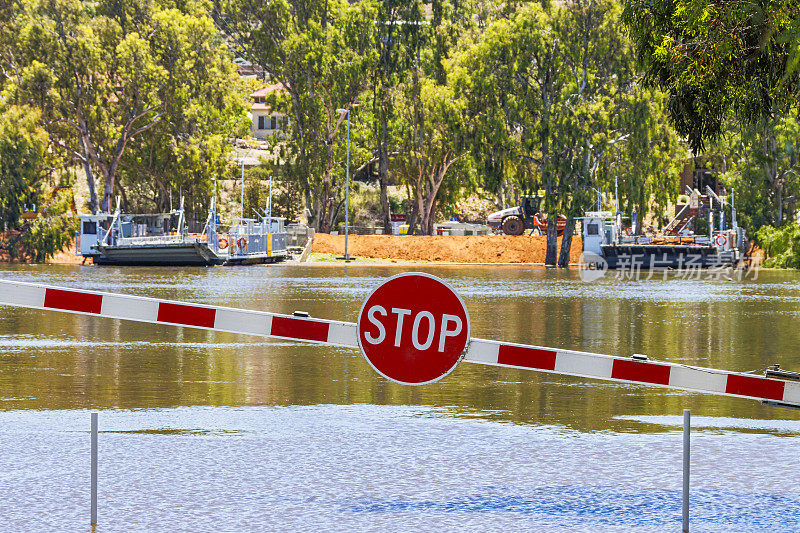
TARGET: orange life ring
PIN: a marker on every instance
(721, 240)
(241, 243)
(223, 243)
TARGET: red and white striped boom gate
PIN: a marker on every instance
(783, 390)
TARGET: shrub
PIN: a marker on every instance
(782, 245)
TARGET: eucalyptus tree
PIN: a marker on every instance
(435, 162)
(538, 81)
(26, 167)
(106, 74)
(435, 154)
(397, 39)
(773, 147)
(719, 59)
(554, 89)
(645, 168)
(23, 149)
(322, 53)
(486, 71)
(761, 163)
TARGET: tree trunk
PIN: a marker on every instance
(412, 219)
(427, 204)
(500, 202)
(87, 169)
(311, 207)
(552, 240)
(383, 174)
(566, 243)
(422, 209)
(108, 193)
(431, 218)
(383, 144)
(769, 165)
(326, 202)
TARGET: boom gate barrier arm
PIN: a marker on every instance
(636, 370)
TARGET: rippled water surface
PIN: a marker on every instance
(207, 431)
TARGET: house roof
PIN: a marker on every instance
(269, 90)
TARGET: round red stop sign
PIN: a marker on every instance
(413, 329)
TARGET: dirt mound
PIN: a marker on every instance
(469, 249)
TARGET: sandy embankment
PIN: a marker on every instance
(469, 249)
(67, 256)
(444, 249)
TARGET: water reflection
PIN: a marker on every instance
(59, 361)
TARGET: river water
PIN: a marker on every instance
(207, 431)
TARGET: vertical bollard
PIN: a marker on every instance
(687, 414)
(94, 469)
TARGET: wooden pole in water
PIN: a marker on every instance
(94, 469)
(687, 414)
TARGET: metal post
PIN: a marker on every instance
(687, 414)
(710, 225)
(269, 204)
(94, 469)
(347, 192)
(242, 210)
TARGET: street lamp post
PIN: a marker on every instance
(241, 208)
(347, 187)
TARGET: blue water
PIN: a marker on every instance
(371, 467)
(204, 431)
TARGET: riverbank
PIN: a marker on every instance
(65, 257)
(443, 249)
(392, 249)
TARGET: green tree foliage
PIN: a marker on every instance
(286, 198)
(738, 57)
(24, 187)
(136, 88)
(782, 245)
(435, 155)
(397, 40)
(321, 53)
(23, 148)
(52, 231)
(493, 73)
(648, 164)
(555, 94)
(434, 162)
(761, 163)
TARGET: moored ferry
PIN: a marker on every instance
(605, 244)
(164, 239)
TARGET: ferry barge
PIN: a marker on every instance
(164, 239)
(604, 244)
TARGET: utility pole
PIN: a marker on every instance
(347, 258)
